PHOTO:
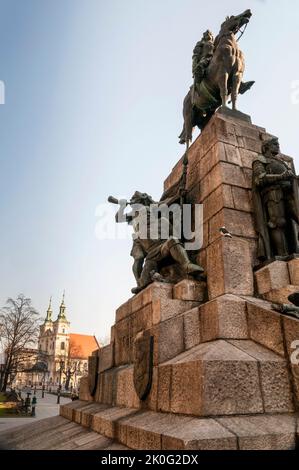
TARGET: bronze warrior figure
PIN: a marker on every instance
(275, 203)
(149, 252)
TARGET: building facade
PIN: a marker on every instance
(62, 357)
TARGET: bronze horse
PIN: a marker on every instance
(223, 77)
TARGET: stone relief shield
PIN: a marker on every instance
(143, 365)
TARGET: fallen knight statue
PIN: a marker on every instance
(152, 244)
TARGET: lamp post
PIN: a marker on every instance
(61, 367)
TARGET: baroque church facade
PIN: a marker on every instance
(65, 353)
(62, 357)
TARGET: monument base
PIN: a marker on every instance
(196, 365)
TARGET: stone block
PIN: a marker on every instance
(248, 131)
(211, 181)
(274, 377)
(233, 155)
(141, 320)
(125, 391)
(205, 240)
(231, 384)
(67, 410)
(98, 394)
(192, 175)
(88, 413)
(242, 199)
(106, 358)
(123, 311)
(84, 389)
(265, 432)
(174, 176)
(212, 379)
(272, 276)
(137, 302)
(106, 422)
(107, 386)
(112, 334)
(254, 145)
(294, 271)
(123, 341)
(156, 290)
(191, 328)
(189, 289)
(198, 434)
(151, 401)
(280, 296)
(186, 387)
(237, 222)
(264, 327)
(248, 157)
(225, 131)
(214, 155)
(229, 269)
(232, 175)
(168, 339)
(164, 387)
(144, 430)
(217, 200)
(165, 309)
(224, 317)
(77, 412)
(201, 259)
(291, 336)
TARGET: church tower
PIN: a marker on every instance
(61, 331)
(46, 330)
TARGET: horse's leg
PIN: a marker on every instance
(236, 82)
(223, 88)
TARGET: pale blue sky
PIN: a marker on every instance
(94, 93)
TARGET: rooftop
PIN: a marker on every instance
(82, 346)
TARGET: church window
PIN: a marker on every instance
(62, 346)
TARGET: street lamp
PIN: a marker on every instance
(61, 368)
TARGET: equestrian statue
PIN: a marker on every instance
(218, 67)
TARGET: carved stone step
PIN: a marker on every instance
(153, 430)
(57, 433)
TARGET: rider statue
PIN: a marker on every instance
(149, 251)
(202, 55)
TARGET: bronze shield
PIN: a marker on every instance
(93, 362)
(143, 365)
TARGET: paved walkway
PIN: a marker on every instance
(45, 408)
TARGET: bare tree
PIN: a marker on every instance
(19, 328)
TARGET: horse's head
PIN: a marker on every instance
(233, 24)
